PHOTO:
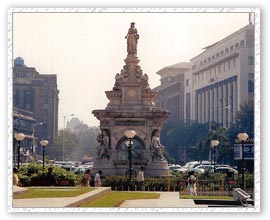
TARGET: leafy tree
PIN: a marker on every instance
(70, 141)
(244, 122)
(87, 137)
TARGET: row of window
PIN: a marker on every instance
(218, 69)
(226, 50)
(20, 75)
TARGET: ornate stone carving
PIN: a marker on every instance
(103, 148)
(131, 106)
(132, 39)
(157, 148)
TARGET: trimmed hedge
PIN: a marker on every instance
(33, 175)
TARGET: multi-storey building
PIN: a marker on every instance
(23, 122)
(223, 78)
(36, 93)
(171, 91)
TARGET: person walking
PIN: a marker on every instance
(191, 181)
(86, 178)
(97, 179)
(140, 179)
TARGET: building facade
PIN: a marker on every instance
(223, 78)
(23, 122)
(213, 85)
(36, 93)
(171, 91)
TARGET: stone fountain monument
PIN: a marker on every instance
(131, 107)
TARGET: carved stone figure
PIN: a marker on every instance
(132, 39)
(157, 148)
(103, 149)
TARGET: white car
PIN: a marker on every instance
(197, 170)
(173, 167)
(205, 167)
(224, 170)
(181, 170)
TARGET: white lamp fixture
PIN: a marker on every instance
(19, 136)
(44, 143)
(130, 133)
(242, 136)
(214, 143)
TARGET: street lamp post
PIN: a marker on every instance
(19, 138)
(243, 138)
(43, 143)
(64, 134)
(130, 134)
(214, 144)
(33, 135)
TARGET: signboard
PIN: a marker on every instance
(248, 151)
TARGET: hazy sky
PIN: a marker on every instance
(86, 50)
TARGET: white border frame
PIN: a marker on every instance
(257, 100)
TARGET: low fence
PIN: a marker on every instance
(205, 186)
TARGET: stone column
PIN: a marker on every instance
(220, 103)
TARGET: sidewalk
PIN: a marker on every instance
(166, 200)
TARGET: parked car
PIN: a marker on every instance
(173, 167)
(203, 162)
(224, 170)
(205, 167)
(197, 170)
(181, 170)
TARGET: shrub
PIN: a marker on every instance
(33, 175)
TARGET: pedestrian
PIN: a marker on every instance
(86, 178)
(16, 179)
(98, 179)
(51, 179)
(191, 184)
(140, 179)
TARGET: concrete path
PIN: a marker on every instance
(166, 200)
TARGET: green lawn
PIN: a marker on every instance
(206, 197)
(115, 198)
(52, 192)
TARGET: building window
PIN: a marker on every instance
(213, 57)
(187, 82)
(201, 63)
(222, 52)
(226, 50)
(250, 60)
(242, 42)
(231, 47)
(217, 55)
(194, 66)
(250, 86)
(236, 45)
(204, 61)
(20, 75)
(209, 58)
